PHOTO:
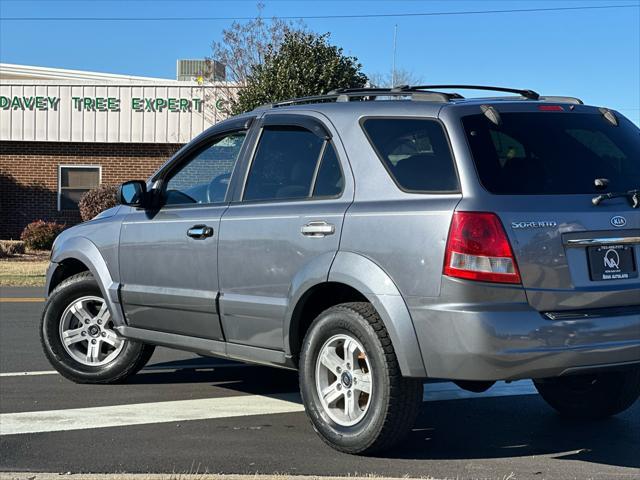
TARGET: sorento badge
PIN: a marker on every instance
(540, 224)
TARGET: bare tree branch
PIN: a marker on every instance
(403, 77)
(242, 47)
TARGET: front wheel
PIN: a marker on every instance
(596, 395)
(351, 384)
(79, 339)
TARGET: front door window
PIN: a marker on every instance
(204, 178)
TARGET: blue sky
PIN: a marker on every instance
(592, 54)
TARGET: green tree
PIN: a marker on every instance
(304, 63)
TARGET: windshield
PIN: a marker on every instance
(540, 153)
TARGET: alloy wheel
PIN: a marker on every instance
(344, 380)
(87, 334)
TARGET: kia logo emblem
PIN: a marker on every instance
(618, 221)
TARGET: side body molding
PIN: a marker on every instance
(369, 279)
(84, 250)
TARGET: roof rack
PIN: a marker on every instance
(400, 90)
(528, 94)
(347, 94)
(573, 100)
(415, 92)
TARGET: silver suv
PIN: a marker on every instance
(372, 239)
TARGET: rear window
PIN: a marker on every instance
(540, 153)
(415, 152)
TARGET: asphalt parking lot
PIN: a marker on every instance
(184, 413)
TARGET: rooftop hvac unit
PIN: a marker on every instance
(191, 70)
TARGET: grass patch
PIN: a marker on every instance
(26, 270)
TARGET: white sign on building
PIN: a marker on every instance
(59, 112)
(55, 105)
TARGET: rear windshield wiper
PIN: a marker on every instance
(633, 196)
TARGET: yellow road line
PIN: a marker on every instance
(22, 299)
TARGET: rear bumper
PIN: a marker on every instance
(498, 340)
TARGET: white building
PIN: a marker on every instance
(52, 104)
(63, 132)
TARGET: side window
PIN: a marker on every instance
(415, 152)
(284, 164)
(204, 178)
(329, 180)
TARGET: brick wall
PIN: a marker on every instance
(29, 175)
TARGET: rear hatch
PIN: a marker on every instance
(542, 168)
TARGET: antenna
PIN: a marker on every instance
(395, 43)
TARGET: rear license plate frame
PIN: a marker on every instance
(612, 262)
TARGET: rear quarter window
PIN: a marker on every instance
(415, 152)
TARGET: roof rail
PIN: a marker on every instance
(367, 93)
(415, 92)
(530, 94)
(573, 100)
(399, 90)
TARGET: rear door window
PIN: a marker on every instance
(540, 153)
(329, 181)
(284, 164)
(415, 152)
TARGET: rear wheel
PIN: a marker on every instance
(351, 384)
(78, 336)
(595, 395)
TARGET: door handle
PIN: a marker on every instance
(318, 229)
(200, 232)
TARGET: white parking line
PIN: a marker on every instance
(24, 374)
(205, 409)
(146, 413)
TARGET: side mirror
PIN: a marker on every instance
(133, 193)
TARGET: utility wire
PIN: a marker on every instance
(316, 17)
(232, 1)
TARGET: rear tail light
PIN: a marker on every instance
(478, 249)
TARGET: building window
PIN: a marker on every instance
(74, 181)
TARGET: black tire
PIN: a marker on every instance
(592, 396)
(396, 400)
(132, 357)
